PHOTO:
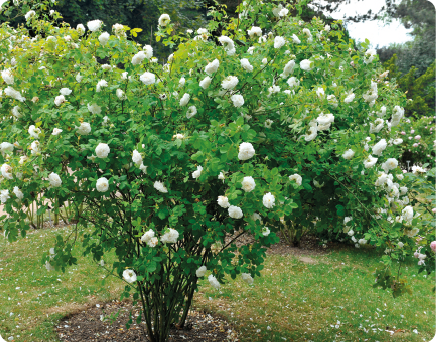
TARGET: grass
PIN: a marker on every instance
(331, 300)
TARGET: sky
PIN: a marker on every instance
(377, 32)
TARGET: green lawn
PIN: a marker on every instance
(332, 300)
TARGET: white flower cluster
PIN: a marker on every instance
(149, 239)
(170, 236)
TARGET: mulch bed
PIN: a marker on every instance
(86, 325)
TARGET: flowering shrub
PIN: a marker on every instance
(169, 164)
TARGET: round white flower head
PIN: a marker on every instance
(16, 113)
(248, 184)
(104, 38)
(102, 184)
(370, 161)
(84, 128)
(102, 150)
(138, 58)
(120, 94)
(228, 44)
(80, 29)
(136, 157)
(148, 51)
(348, 154)
(235, 212)
(247, 278)
(293, 82)
(288, 69)
(160, 186)
(214, 282)
(279, 42)
(297, 178)
(153, 242)
(184, 100)
(238, 100)
(59, 100)
(119, 30)
(407, 213)
(245, 63)
(164, 20)
(223, 201)
(391, 163)
(265, 231)
(397, 141)
(201, 271)
(143, 168)
(54, 179)
(230, 82)
(6, 147)
(7, 76)
(246, 151)
(182, 82)
(349, 98)
(79, 78)
(65, 91)
(206, 82)
(221, 176)
(18, 193)
(34, 132)
(269, 200)
(49, 267)
(129, 276)
(11, 92)
(305, 65)
(148, 78)
(255, 31)
(34, 147)
(192, 110)
(94, 109)
(29, 14)
(295, 39)
(212, 67)
(171, 235)
(101, 84)
(378, 148)
(283, 12)
(6, 171)
(94, 25)
(147, 236)
(197, 172)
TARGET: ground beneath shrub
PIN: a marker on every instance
(86, 325)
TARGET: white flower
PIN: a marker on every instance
(119, 30)
(246, 151)
(268, 123)
(6, 171)
(417, 169)
(148, 51)
(238, 100)
(54, 179)
(102, 150)
(214, 282)
(378, 148)
(305, 65)
(313, 132)
(185, 99)
(148, 78)
(153, 242)
(30, 14)
(288, 69)
(7, 76)
(407, 213)
(268, 200)
(124, 76)
(104, 38)
(59, 100)
(370, 55)
(298, 179)
(377, 126)
(138, 58)
(136, 157)
(324, 121)
(15, 112)
(349, 98)
(143, 168)
(235, 212)
(171, 235)
(230, 82)
(102, 184)
(248, 184)
(223, 202)
(251, 49)
(348, 154)
(245, 63)
(212, 67)
(247, 278)
(84, 128)
(391, 163)
(79, 78)
(164, 20)
(192, 110)
(254, 31)
(120, 94)
(129, 276)
(18, 193)
(34, 147)
(317, 184)
(101, 84)
(265, 231)
(293, 82)
(49, 267)
(197, 172)
(201, 271)
(221, 176)
(273, 90)
(34, 132)
(206, 82)
(370, 161)
(160, 186)
(279, 42)
(283, 12)
(94, 25)
(397, 141)
(94, 109)
(6, 147)
(80, 29)
(228, 44)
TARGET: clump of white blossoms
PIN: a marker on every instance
(18, 193)
(164, 20)
(348, 154)
(305, 64)
(293, 82)
(102, 150)
(223, 201)
(84, 128)
(136, 157)
(214, 282)
(197, 172)
(279, 42)
(138, 58)
(160, 187)
(149, 239)
(81, 29)
(192, 110)
(228, 44)
(104, 38)
(7, 76)
(370, 161)
(238, 100)
(54, 179)
(247, 278)
(94, 25)
(230, 82)
(102, 184)
(350, 98)
(184, 100)
(6, 171)
(289, 69)
(34, 132)
(297, 178)
(101, 84)
(171, 235)
(295, 39)
(201, 271)
(248, 184)
(245, 63)
(246, 151)
(148, 78)
(235, 212)
(268, 200)
(212, 67)
(205, 83)
(129, 276)
(59, 100)
(254, 31)
(378, 148)
(265, 231)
